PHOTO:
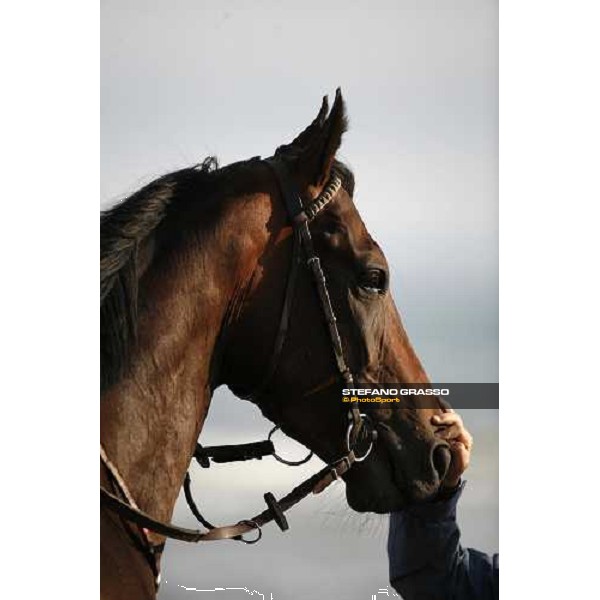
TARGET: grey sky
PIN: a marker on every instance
(182, 79)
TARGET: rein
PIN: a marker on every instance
(300, 216)
(314, 484)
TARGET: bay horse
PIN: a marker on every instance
(248, 276)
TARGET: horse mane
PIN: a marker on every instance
(122, 229)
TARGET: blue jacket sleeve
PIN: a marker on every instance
(427, 561)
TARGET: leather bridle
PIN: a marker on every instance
(123, 503)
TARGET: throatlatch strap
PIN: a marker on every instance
(284, 321)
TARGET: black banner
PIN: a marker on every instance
(395, 395)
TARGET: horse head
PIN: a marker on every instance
(299, 388)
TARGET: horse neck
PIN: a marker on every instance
(151, 419)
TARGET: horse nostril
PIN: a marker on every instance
(440, 459)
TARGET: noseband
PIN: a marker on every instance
(123, 503)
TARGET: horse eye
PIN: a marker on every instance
(374, 281)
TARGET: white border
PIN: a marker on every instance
(549, 135)
(49, 53)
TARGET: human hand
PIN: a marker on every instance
(450, 427)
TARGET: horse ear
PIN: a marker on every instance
(313, 151)
(302, 140)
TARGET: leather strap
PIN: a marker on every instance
(312, 485)
(150, 551)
